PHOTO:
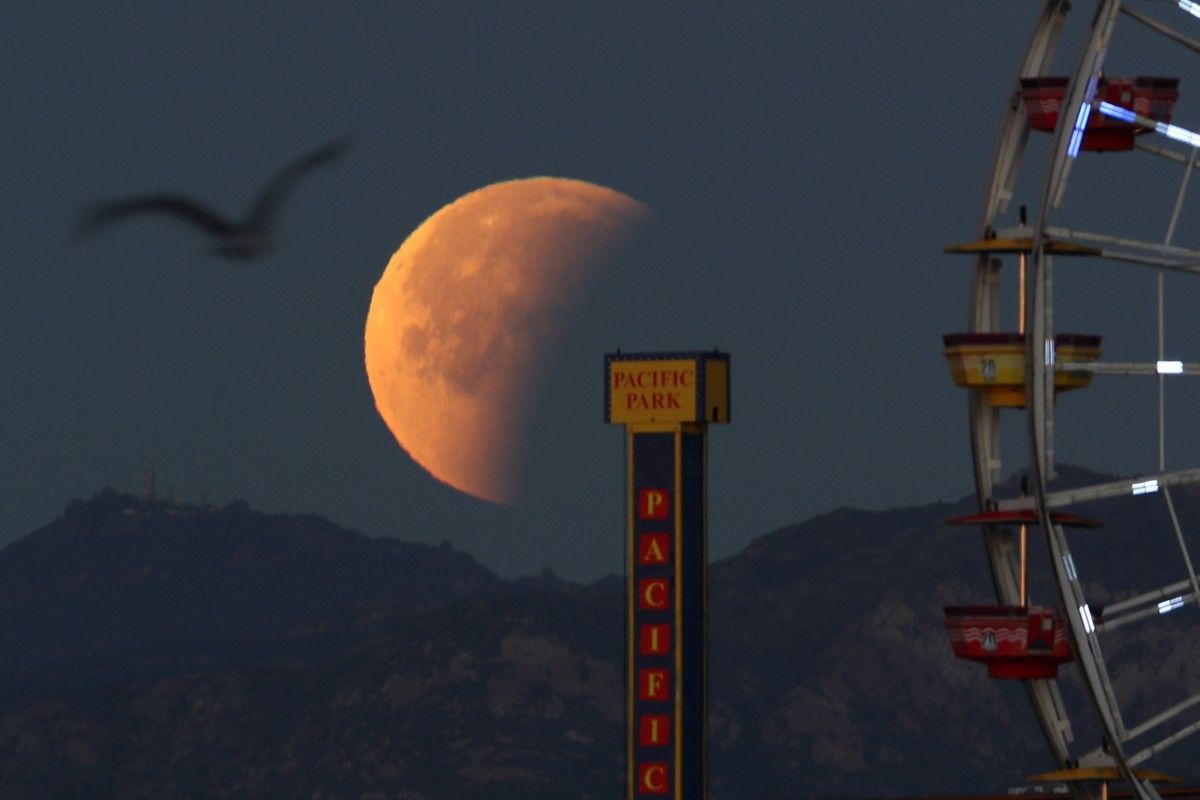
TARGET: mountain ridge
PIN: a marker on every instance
(829, 672)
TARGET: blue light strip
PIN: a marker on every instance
(1085, 111)
(1190, 7)
(1124, 114)
(1170, 131)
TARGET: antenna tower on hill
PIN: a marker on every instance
(149, 490)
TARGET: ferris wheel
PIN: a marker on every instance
(1015, 373)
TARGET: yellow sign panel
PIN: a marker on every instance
(667, 387)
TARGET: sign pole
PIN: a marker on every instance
(665, 402)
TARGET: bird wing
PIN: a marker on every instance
(104, 214)
(264, 210)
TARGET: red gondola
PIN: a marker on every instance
(1016, 642)
(1148, 96)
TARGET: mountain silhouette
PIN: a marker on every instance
(200, 652)
(117, 575)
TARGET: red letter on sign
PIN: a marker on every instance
(652, 504)
(653, 549)
(654, 594)
(654, 730)
(654, 684)
(652, 778)
(654, 640)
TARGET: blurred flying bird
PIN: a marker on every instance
(246, 238)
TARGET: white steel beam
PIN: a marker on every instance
(1147, 597)
(1121, 241)
(1159, 719)
(1141, 143)
(1150, 261)
(1158, 27)
(1157, 748)
(1146, 613)
(1131, 367)
(1135, 486)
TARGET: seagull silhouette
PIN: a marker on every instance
(243, 239)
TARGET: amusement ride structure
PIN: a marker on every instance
(1018, 373)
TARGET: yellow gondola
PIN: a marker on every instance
(994, 363)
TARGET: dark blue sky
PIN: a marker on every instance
(805, 162)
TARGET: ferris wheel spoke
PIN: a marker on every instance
(1183, 548)
(1174, 738)
(1189, 261)
(1148, 605)
(1191, 267)
(1164, 606)
(1146, 613)
(1159, 719)
(1158, 150)
(1121, 241)
(1165, 30)
(1148, 484)
(1131, 367)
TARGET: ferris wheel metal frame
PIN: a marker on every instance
(1005, 545)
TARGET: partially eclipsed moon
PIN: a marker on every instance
(465, 307)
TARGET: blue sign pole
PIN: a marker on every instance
(667, 597)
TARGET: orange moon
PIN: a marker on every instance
(465, 307)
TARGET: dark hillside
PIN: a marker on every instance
(157, 651)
